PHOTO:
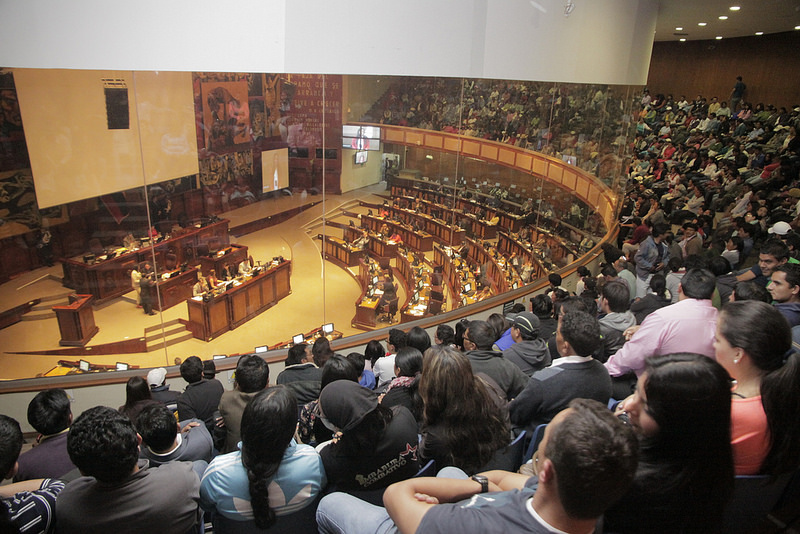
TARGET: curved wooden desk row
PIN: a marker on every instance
(234, 307)
(440, 230)
(464, 216)
(111, 277)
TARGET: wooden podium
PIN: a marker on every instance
(76, 321)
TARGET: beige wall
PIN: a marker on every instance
(358, 176)
(73, 153)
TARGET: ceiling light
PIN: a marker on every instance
(723, 17)
(734, 8)
(682, 39)
(759, 33)
(679, 28)
(797, 27)
(718, 37)
(702, 23)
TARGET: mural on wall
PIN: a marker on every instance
(18, 213)
(226, 114)
(13, 149)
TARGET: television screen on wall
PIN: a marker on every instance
(361, 137)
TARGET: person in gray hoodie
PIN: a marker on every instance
(529, 351)
(618, 317)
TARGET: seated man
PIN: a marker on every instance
(27, 506)
(164, 440)
(529, 351)
(252, 375)
(618, 317)
(50, 415)
(585, 463)
(576, 374)
(119, 492)
(201, 398)
(773, 254)
(159, 389)
(478, 340)
(301, 375)
(785, 291)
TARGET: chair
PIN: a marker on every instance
(170, 261)
(436, 279)
(390, 309)
(304, 520)
(754, 496)
(508, 458)
(96, 247)
(202, 250)
(437, 295)
(435, 307)
(536, 438)
(383, 262)
(427, 470)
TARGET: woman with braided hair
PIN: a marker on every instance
(270, 475)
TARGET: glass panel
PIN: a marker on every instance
(466, 188)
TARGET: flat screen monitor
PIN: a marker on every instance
(327, 328)
(121, 366)
(374, 279)
(262, 349)
(83, 365)
(360, 157)
(299, 338)
(464, 301)
(274, 169)
(467, 288)
(572, 160)
(219, 357)
(361, 137)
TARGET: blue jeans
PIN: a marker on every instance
(341, 513)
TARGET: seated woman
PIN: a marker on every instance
(681, 410)
(464, 420)
(212, 280)
(752, 340)
(200, 287)
(404, 388)
(310, 428)
(137, 398)
(374, 446)
(271, 475)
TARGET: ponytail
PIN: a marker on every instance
(780, 395)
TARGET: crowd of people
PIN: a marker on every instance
(688, 324)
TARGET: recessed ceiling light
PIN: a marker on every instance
(723, 17)
(679, 28)
(759, 33)
(702, 23)
(734, 8)
(682, 39)
(718, 37)
(797, 27)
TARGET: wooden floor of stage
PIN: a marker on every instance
(321, 293)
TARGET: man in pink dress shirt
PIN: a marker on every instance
(686, 326)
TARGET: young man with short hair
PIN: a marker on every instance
(119, 492)
(50, 414)
(785, 291)
(251, 376)
(301, 374)
(164, 440)
(200, 399)
(772, 255)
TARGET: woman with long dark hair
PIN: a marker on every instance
(463, 422)
(137, 397)
(681, 410)
(404, 387)
(753, 339)
(271, 475)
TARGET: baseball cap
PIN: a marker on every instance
(528, 323)
(156, 377)
(780, 228)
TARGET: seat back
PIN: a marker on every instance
(436, 279)
(170, 261)
(384, 262)
(437, 295)
(304, 520)
(536, 438)
(754, 496)
(393, 306)
(435, 307)
(507, 458)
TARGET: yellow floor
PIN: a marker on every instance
(321, 293)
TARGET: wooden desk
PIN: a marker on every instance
(339, 251)
(174, 290)
(381, 248)
(76, 321)
(232, 256)
(111, 278)
(366, 312)
(234, 307)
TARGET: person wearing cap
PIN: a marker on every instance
(529, 351)
(159, 389)
(780, 229)
(374, 445)
(574, 374)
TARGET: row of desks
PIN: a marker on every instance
(217, 313)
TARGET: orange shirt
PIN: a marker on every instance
(749, 435)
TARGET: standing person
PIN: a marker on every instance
(651, 258)
(737, 93)
(136, 278)
(147, 283)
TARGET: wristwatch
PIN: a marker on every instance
(483, 481)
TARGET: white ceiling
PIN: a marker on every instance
(768, 16)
